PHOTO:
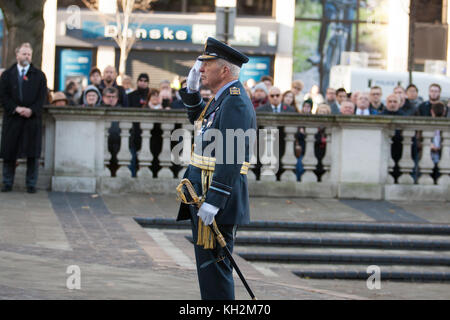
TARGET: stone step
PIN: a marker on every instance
(345, 258)
(376, 227)
(339, 242)
(363, 275)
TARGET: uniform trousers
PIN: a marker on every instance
(214, 270)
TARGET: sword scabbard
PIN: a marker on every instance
(219, 237)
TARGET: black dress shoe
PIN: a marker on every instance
(31, 189)
(7, 188)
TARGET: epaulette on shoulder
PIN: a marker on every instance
(234, 91)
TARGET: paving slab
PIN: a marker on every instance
(41, 235)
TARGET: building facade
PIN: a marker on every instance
(287, 39)
(167, 41)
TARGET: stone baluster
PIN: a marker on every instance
(165, 156)
(326, 161)
(185, 159)
(426, 165)
(124, 155)
(391, 164)
(444, 163)
(253, 161)
(309, 159)
(107, 154)
(145, 155)
(406, 163)
(269, 138)
(289, 160)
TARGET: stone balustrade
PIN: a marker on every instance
(371, 157)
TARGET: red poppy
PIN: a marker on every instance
(25, 78)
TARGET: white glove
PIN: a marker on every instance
(207, 212)
(193, 79)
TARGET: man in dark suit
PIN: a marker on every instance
(363, 107)
(23, 89)
(274, 104)
(434, 95)
(220, 176)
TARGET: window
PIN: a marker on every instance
(429, 11)
(182, 6)
(326, 28)
(254, 7)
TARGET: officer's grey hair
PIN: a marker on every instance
(234, 69)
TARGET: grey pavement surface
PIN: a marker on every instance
(42, 234)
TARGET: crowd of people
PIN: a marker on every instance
(104, 90)
(264, 95)
(23, 92)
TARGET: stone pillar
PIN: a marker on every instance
(444, 163)
(145, 155)
(165, 156)
(406, 163)
(309, 159)
(49, 42)
(124, 155)
(363, 161)
(289, 160)
(397, 36)
(426, 165)
(75, 155)
(269, 160)
(285, 17)
(326, 161)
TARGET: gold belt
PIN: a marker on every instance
(208, 163)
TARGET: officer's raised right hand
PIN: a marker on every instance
(193, 79)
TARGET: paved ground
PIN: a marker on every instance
(42, 234)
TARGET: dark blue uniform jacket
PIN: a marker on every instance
(228, 190)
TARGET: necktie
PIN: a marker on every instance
(22, 74)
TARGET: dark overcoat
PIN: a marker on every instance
(22, 137)
(228, 190)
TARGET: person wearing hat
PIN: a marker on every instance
(260, 95)
(91, 96)
(137, 99)
(218, 177)
(59, 99)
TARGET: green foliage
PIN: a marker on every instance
(306, 35)
(308, 9)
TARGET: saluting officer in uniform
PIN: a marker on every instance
(220, 183)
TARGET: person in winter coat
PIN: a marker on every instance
(23, 90)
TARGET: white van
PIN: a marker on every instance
(362, 79)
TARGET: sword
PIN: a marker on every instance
(223, 244)
(215, 230)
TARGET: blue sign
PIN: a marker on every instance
(255, 68)
(74, 65)
(147, 32)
